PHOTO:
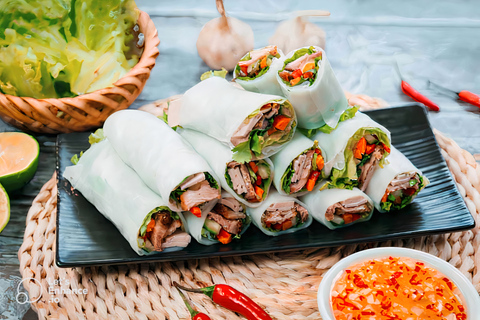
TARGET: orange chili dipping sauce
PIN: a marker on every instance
(395, 288)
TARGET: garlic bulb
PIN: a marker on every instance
(223, 41)
(298, 33)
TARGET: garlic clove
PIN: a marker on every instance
(223, 41)
(298, 33)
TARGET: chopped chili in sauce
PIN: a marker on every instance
(395, 288)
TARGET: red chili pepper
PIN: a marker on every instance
(370, 148)
(297, 73)
(417, 96)
(464, 95)
(196, 211)
(195, 314)
(387, 149)
(469, 97)
(232, 299)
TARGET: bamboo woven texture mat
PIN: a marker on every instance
(285, 284)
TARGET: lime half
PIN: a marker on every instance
(18, 159)
(4, 208)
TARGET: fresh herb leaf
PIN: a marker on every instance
(287, 178)
(175, 195)
(211, 180)
(256, 142)
(413, 182)
(242, 152)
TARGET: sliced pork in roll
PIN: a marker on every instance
(248, 182)
(269, 126)
(309, 83)
(251, 180)
(280, 214)
(225, 222)
(396, 185)
(337, 208)
(162, 231)
(257, 70)
(115, 189)
(300, 166)
(195, 191)
(163, 160)
(284, 215)
(253, 125)
(355, 149)
(348, 210)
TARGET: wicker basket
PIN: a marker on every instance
(89, 110)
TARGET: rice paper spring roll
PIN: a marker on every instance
(338, 208)
(280, 214)
(299, 166)
(124, 199)
(309, 83)
(354, 150)
(396, 185)
(227, 220)
(248, 182)
(255, 125)
(164, 160)
(257, 70)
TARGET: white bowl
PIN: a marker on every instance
(471, 298)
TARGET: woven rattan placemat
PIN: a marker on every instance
(285, 284)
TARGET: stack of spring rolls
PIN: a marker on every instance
(212, 176)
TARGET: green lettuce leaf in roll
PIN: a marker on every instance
(250, 180)
(280, 214)
(347, 114)
(253, 125)
(309, 83)
(257, 70)
(226, 221)
(273, 126)
(400, 198)
(354, 150)
(300, 166)
(338, 208)
(357, 163)
(395, 186)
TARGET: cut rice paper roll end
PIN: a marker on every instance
(196, 193)
(248, 182)
(354, 150)
(309, 83)
(257, 70)
(224, 222)
(394, 186)
(280, 214)
(135, 135)
(299, 166)
(253, 125)
(123, 198)
(338, 208)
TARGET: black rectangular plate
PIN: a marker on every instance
(85, 237)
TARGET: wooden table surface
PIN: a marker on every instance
(364, 41)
